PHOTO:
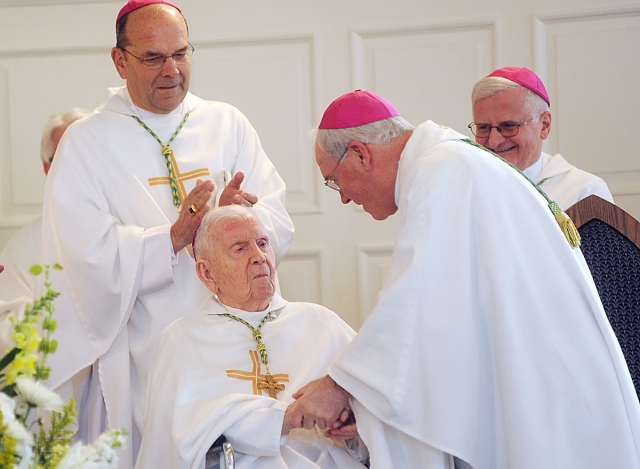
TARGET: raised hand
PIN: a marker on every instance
(194, 207)
(232, 194)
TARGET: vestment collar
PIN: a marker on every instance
(119, 100)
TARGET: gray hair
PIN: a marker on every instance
(335, 142)
(490, 86)
(203, 241)
(52, 123)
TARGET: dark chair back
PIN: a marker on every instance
(611, 247)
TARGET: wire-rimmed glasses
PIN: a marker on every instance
(506, 129)
(328, 181)
(157, 61)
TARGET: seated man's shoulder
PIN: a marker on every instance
(303, 307)
(316, 315)
(182, 326)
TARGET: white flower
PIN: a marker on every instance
(37, 395)
(24, 440)
(100, 454)
(27, 456)
(20, 433)
(8, 408)
(74, 458)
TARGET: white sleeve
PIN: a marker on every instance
(158, 259)
(258, 432)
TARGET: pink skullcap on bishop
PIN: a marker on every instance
(133, 5)
(524, 77)
(357, 108)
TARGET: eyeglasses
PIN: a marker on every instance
(328, 181)
(506, 129)
(155, 62)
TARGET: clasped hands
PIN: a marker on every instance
(323, 403)
(182, 230)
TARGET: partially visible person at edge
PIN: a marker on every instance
(511, 117)
(501, 354)
(201, 385)
(18, 286)
(130, 184)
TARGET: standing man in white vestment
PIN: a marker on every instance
(511, 117)
(232, 367)
(18, 286)
(489, 347)
(128, 187)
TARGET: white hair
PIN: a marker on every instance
(204, 239)
(52, 123)
(335, 142)
(490, 86)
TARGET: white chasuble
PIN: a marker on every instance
(203, 384)
(566, 184)
(500, 353)
(107, 213)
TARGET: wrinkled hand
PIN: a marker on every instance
(344, 428)
(232, 194)
(321, 403)
(182, 230)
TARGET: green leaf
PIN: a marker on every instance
(10, 390)
(57, 267)
(35, 269)
(8, 358)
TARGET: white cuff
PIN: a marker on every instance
(158, 259)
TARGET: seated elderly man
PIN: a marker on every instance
(512, 118)
(232, 367)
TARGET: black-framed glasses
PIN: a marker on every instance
(328, 181)
(155, 62)
(506, 129)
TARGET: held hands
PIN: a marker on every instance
(197, 200)
(232, 194)
(344, 428)
(323, 403)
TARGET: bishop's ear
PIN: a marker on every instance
(362, 152)
(203, 269)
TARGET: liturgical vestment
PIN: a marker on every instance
(502, 355)
(564, 183)
(204, 383)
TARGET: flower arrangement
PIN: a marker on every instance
(35, 423)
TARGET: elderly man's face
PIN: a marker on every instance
(525, 147)
(242, 264)
(154, 30)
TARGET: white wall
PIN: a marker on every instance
(282, 62)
